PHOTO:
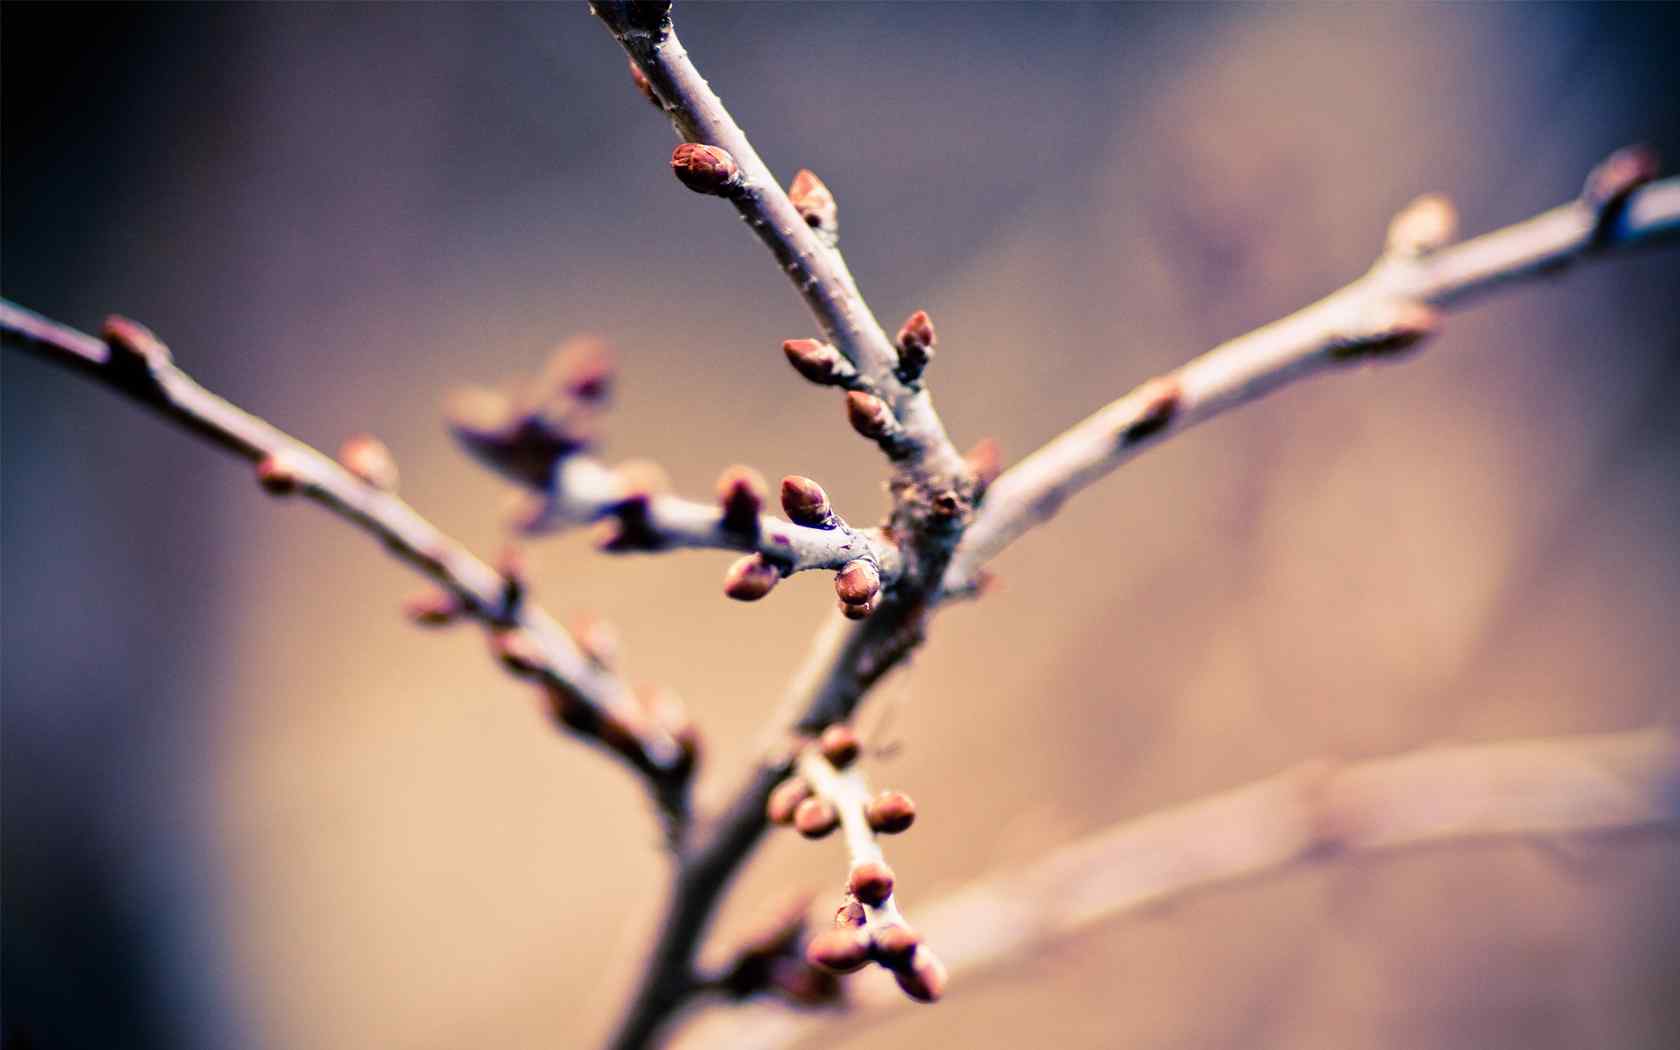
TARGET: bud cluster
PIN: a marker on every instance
(850, 944)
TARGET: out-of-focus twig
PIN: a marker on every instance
(1394, 306)
(585, 694)
(1553, 786)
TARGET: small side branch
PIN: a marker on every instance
(585, 694)
(1319, 810)
(1389, 310)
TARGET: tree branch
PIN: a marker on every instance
(1388, 310)
(1546, 787)
(796, 240)
(586, 696)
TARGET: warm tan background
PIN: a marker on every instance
(246, 805)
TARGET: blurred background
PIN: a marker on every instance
(245, 804)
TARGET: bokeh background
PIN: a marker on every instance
(246, 805)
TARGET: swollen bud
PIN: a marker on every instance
(750, 579)
(839, 744)
(839, 950)
(858, 582)
(806, 503)
(817, 361)
(815, 817)
(814, 202)
(890, 812)
(916, 340)
(785, 799)
(871, 882)
(705, 169)
(869, 415)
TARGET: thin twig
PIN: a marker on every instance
(588, 696)
(1534, 788)
(1389, 308)
(815, 267)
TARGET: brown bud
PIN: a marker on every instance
(894, 946)
(925, 978)
(705, 169)
(641, 81)
(750, 578)
(890, 812)
(869, 415)
(860, 612)
(871, 882)
(785, 799)
(806, 503)
(857, 582)
(985, 462)
(850, 914)
(916, 340)
(815, 817)
(1425, 225)
(813, 201)
(839, 950)
(817, 361)
(839, 744)
(741, 492)
(433, 608)
(278, 473)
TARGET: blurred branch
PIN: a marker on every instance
(1391, 309)
(1546, 787)
(585, 694)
